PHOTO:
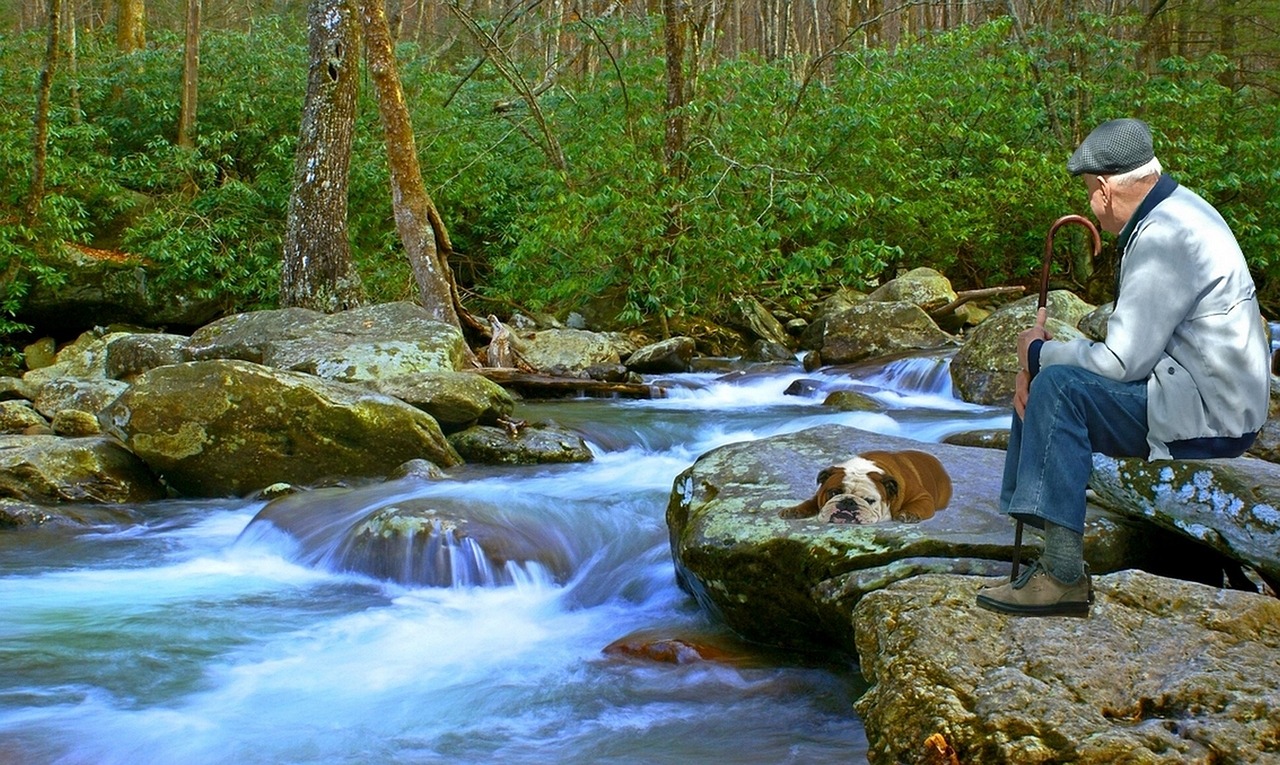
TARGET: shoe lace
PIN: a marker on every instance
(1027, 573)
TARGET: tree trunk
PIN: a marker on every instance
(317, 271)
(673, 37)
(131, 25)
(190, 77)
(40, 148)
(421, 230)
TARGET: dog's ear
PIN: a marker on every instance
(825, 473)
(889, 483)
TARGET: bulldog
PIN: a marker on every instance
(871, 487)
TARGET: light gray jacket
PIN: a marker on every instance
(1187, 321)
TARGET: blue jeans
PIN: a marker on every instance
(1070, 414)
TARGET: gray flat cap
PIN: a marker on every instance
(1116, 146)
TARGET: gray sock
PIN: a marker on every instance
(1063, 552)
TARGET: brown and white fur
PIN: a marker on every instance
(878, 486)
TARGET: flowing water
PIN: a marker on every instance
(197, 637)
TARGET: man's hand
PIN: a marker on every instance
(1028, 336)
(1021, 390)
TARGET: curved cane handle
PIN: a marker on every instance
(1048, 250)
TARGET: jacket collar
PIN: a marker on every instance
(1158, 193)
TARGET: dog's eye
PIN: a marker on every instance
(871, 500)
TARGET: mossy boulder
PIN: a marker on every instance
(219, 428)
(51, 470)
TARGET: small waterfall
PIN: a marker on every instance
(928, 375)
(408, 532)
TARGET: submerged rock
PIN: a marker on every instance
(1162, 671)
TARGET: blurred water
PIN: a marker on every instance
(191, 640)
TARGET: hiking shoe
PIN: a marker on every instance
(1038, 593)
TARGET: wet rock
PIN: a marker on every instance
(92, 395)
(85, 358)
(15, 514)
(984, 369)
(663, 649)
(1229, 505)
(74, 423)
(873, 329)
(924, 287)
(432, 541)
(456, 400)
(220, 428)
(572, 349)
(674, 354)
(988, 439)
(532, 445)
(768, 351)
(50, 469)
(852, 401)
(134, 354)
(1162, 671)
(17, 416)
(755, 321)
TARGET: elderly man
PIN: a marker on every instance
(1183, 372)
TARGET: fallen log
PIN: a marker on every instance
(535, 385)
(970, 295)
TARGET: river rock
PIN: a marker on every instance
(1162, 671)
(419, 540)
(220, 428)
(50, 469)
(84, 358)
(25, 515)
(247, 336)
(754, 320)
(924, 287)
(983, 371)
(532, 445)
(873, 329)
(456, 400)
(16, 416)
(14, 388)
(795, 582)
(572, 350)
(675, 354)
(1229, 505)
(92, 395)
(136, 353)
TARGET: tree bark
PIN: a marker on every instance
(317, 271)
(131, 25)
(190, 77)
(421, 230)
(40, 149)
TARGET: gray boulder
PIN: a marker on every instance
(383, 340)
(1162, 671)
(134, 354)
(92, 395)
(984, 369)
(572, 350)
(675, 354)
(219, 428)
(84, 358)
(924, 287)
(871, 329)
(532, 445)
(1230, 505)
(49, 469)
(756, 322)
(456, 400)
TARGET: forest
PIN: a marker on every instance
(644, 163)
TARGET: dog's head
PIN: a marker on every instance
(856, 491)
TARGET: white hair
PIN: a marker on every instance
(1146, 170)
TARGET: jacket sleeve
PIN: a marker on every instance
(1158, 288)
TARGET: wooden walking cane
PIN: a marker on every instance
(1042, 315)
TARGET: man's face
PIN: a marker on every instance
(1102, 202)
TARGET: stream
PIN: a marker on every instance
(196, 637)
